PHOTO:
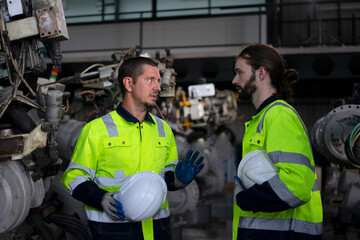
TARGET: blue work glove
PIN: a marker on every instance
(187, 170)
(112, 207)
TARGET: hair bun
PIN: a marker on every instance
(291, 75)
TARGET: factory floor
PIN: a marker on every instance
(212, 219)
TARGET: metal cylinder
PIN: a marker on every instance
(67, 136)
(54, 107)
(166, 79)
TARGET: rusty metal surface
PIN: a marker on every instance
(47, 22)
(12, 145)
(19, 146)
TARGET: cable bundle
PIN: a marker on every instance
(71, 224)
(352, 146)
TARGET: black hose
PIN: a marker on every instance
(21, 120)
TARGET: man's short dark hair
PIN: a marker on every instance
(133, 67)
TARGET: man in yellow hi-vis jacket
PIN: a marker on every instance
(288, 204)
(121, 143)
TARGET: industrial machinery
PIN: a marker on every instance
(40, 122)
(28, 151)
(336, 137)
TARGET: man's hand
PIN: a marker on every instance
(112, 207)
(187, 170)
(239, 187)
(239, 183)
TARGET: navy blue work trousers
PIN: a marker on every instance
(129, 231)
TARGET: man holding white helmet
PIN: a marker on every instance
(113, 149)
(277, 195)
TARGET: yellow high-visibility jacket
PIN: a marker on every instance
(289, 201)
(110, 149)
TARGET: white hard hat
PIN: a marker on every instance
(142, 195)
(256, 167)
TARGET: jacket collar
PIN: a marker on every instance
(269, 100)
(129, 117)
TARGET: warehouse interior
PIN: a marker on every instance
(75, 47)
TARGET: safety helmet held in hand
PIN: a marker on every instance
(256, 167)
(142, 195)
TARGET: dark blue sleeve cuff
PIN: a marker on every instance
(170, 181)
(260, 198)
(90, 194)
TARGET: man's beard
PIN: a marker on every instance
(150, 105)
(248, 90)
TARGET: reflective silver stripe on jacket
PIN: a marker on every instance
(101, 216)
(160, 125)
(113, 132)
(79, 179)
(284, 193)
(172, 164)
(117, 181)
(276, 224)
(110, 125)
(169, 167)
(316, 186)
(161, 130)
(88, 170)
(289, 157)
(277, 185)
(76, 182)
(162, 213)
(261, 123)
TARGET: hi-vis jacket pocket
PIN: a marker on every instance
(121, 141)
(257, 140)
(161, 142)
(161, 149)
(118, 154)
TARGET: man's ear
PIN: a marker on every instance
(262, 72)
(128, 83)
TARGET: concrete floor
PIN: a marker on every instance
(211, 220)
